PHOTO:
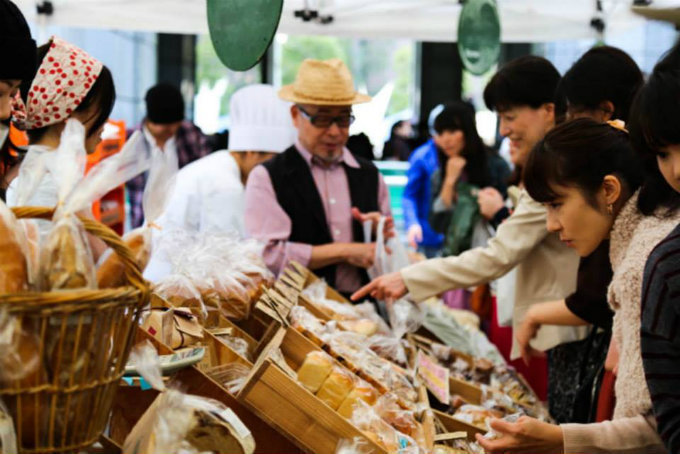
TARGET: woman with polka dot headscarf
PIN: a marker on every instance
(69, 84)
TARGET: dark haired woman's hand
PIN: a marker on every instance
(490, 201)
(527, 435)
(454, 167)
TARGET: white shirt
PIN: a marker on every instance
(208, 197)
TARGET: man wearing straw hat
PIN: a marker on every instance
(308, 203)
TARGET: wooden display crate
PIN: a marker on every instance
(278, 398)
(452, 424)
(131, 402)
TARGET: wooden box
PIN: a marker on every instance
(279, 399)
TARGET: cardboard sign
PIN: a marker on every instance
(435, 377)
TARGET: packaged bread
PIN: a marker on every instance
(314, 370)
(66, 258)
(336, 387)
(362, 391)
(362, 326)
(375, 428)
(178, 422)
(158, 190)
(13, 263)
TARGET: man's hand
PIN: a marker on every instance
(389, 287)
(414, 235)
(524, 436)
(374, 216)
(490, 202)
(527, 331)
(454, 167)
(359, 254)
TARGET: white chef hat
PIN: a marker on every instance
(260, 121)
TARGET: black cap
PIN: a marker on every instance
(17, 48)
(164, 104)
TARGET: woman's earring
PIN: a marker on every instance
(610, 209)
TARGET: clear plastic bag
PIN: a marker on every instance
(226, 271)
(232, 376)
(366, 419)
(405, 317)
(157, 192)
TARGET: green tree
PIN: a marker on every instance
(209, 69)
(297, 48)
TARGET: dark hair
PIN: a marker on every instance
(580, 153)
(460, 116)
(525, 81)
(653, 125)
(603, 73)
(360, 145)
(102, 94)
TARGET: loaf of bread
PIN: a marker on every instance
(314, 370)
(336, 387)
(363, 391)
(111, 273)
(65, 259)
(13, 264)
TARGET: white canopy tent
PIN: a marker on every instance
(425, 20)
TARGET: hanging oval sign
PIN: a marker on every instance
(479, 35)
(242, 30)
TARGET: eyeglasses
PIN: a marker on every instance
(325, 121)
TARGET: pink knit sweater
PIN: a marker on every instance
(633, 429)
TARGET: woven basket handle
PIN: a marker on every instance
(111, 238)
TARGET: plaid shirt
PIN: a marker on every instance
(191, 145)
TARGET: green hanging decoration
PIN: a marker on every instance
(242, 30)
(479, 35)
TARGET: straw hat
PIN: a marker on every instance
(323, 83)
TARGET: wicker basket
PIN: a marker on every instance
(82, 339)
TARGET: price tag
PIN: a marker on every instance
(435, 377)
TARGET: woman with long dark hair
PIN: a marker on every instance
(466, 165)
(593, 186)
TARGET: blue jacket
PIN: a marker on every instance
(417, 193)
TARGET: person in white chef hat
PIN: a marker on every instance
(209, 194)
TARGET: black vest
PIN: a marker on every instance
(297, 194)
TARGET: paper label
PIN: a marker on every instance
(435, 377)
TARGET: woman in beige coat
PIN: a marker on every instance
(587, 175)
(522, 93)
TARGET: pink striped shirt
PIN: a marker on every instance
(266, 221)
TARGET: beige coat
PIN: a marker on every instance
(546, 270)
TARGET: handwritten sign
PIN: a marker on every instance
(435, 377)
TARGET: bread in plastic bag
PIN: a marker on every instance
(13, 261)
(158, 189)
(177, 421)
(227, 271)
(376, 429)
(65, 257)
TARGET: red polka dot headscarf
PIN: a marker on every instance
(62, 81)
